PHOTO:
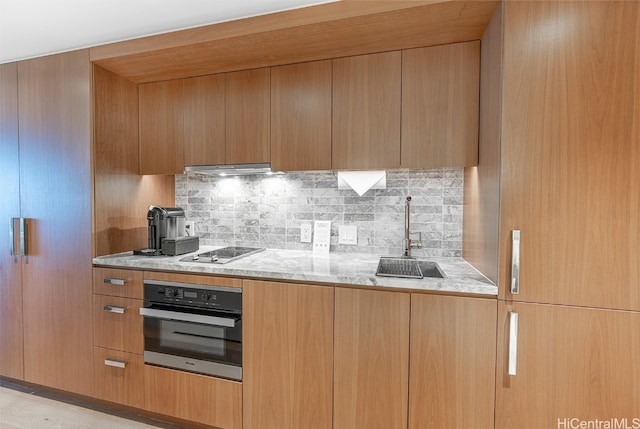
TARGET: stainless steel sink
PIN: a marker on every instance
(407, 267)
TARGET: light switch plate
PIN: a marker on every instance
(305, 233)
(347, 234)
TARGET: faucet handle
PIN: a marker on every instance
(418, 243)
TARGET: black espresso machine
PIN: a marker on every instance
(167, 235)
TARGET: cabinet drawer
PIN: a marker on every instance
(110, 281)
(198, 398)
(118, 323)
(118, 377)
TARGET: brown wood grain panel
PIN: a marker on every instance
(371, 359)
(121, 195)
(120, 385)
(366, 111)
(481, 222)
(571, 363)
(11, 340)
(453, 360)
(301, 116)
(571, 152)
(132, 287)
(193, 397)
(248, 116)
(440, 101)
(287, 356)
(55, 180)
(192, 278)
(314, 33)
(204, 120)
(118, 331)
(161, 128)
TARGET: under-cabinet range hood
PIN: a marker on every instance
(230, 169)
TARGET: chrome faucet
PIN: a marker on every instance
(407, 243)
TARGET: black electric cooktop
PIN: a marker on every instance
(224, 255)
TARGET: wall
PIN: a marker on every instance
(267, 211)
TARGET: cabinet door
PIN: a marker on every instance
(55, 193)
(453, 360)
(287, 355)
(571, 152)
(204, 120)
(572, 363)
(161, 128)
(301, 116)
(440, 101)
(193, 397)
(366, 111)
(248, 116)
(371, 359)
(10, 274)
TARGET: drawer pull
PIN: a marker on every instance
(114, 281)
(114, 309)
(513, 342)
(115, 363)
(515, 262)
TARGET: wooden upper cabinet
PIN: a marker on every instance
(440, 101)
(204, 120)
(161, 128)
(301, 116)
(248, 116)
(571, 152)
(371, 359)
(366, 111)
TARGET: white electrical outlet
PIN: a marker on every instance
(347, 234)
(305, 233)
(190, 228)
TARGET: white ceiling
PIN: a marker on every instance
(31, 28)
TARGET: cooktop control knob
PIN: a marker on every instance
(206, 296)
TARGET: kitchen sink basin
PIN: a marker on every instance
(407, 268)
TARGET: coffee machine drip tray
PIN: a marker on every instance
(224, 255)
(147, 252)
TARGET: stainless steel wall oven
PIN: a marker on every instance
(193, 327)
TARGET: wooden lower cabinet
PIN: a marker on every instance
(371, 359)
(118, 377)
(574, 365)
(288, 355)
(117, 323)
(452, 366)
(197, 398)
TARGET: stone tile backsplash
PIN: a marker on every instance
(267, 211)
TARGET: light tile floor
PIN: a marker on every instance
(19, 410)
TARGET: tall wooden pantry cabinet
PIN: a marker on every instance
(53, 203)
(559, 167)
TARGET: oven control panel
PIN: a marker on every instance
(187, 294)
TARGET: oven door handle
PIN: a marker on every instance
(188, 317)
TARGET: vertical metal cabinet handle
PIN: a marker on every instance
(12, 237)
(513, 342)
(115, 363)
(24, 236)
(515, 261)
(114, 309)
(114, 281)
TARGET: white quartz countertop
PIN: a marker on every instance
(304, 266)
